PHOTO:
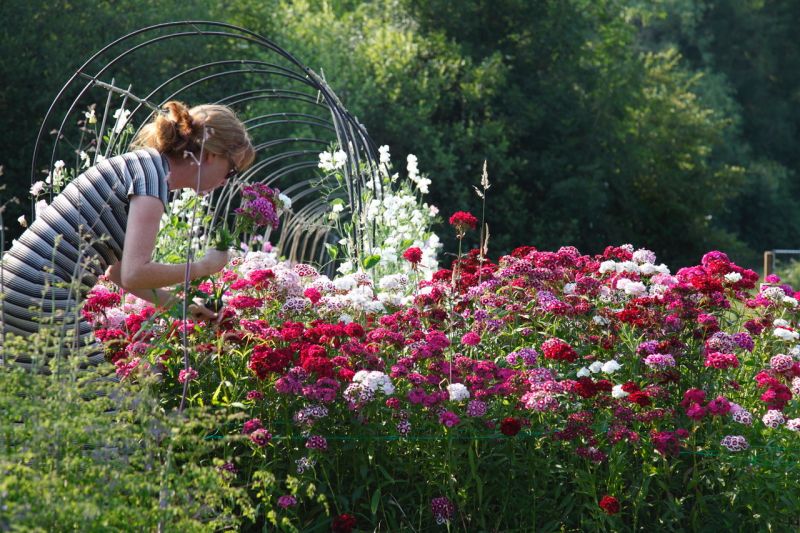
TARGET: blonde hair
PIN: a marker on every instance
(179, 129)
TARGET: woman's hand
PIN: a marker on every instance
(201, 312)
(214, 260)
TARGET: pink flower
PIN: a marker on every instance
(470, 339)
(449, 419)
(260, 437)
(721, 361)
(188, 374)
(287, 501)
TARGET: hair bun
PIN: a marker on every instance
(176, 129)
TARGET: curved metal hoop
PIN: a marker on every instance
(279, 99)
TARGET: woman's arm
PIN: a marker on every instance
(136, 269)
(158, 297)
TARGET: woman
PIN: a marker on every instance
(106, 221)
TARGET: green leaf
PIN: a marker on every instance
(371, 261)
(376, 498)
(333, 251)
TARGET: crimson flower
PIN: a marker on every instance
(510, 426)
(609, 504)
(463, 220)
(413, 255)
(344, 523)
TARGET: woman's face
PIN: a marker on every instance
(216, 171)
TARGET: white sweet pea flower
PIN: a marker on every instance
(339, 159)
(617, 392)
(122, 116)
(385, 157)
(40, 206)
(458, 392)
(609, 367)
(37, 188)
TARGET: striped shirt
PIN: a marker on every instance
(76, 237)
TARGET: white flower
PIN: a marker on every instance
(91, 118)
(345, 318)
(385, 157)
(337, 207)
(325, 161)
(633, 288)
(22, 221)
(569, 288)
(584, 372)
(345, 283)
(59, 165)
(596, 367)
(607, 266)
(780, 323)
(413, 170)
(433, 210)
(285, 200)
(37, 188)
(600, 320)
(87, 162)
(733, 277)
(457, 392)
(648, 269)
(121, 115)
(345, 268)
(789, 301)
(617, 392)
(611, 366)
(374, 381)
(40, 206)
(786, 334)
(643, 255)
(339, 159)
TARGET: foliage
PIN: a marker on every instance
(79, 453)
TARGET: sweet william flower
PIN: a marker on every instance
(457, 392)
(463, 221)
(609, 505)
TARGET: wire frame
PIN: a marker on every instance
(289, 110)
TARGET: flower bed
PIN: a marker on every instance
(547, 390)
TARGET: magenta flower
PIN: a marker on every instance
(188, 374)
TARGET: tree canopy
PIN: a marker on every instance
(669, 125)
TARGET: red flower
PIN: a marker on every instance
(344, 523)
(558, 350)
(354, 329)
(413, 255)
(312, 294)
(462, 220)
(609, 504)
(510, 426)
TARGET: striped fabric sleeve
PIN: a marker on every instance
(148, 170)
